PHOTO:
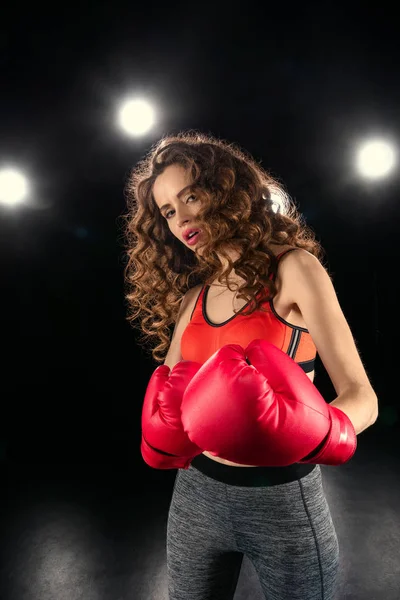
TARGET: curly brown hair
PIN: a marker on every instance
(238, 212)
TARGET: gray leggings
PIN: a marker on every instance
(284, 529)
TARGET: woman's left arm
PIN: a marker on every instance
(312, 290)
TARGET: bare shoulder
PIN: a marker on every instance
(276, 250)
(187, 304)
(291, 258)
(191, 295)
(285, 284)
(279, 249)
(185, 310)
(195, 289)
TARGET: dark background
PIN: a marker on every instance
(298, 87)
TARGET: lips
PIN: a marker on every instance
(193, 239)
(189, 232)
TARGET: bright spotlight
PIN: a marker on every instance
(13, 187)
(376, 159)
(136, 117)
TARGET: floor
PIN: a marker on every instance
(79, 529)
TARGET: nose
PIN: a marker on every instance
(182, 222)
(183, 218)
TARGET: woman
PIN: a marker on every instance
(252, 270)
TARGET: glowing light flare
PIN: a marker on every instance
(376, 159)
(13, 187)
(279, 200)
(136, 117)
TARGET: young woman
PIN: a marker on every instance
(233, 406)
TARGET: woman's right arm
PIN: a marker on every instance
(165, 444)
(185, 310)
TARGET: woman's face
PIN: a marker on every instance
(178, 206)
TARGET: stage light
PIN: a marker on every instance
(136, 117)
(13, 187)
(376, 159)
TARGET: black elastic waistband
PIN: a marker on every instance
(250, 476)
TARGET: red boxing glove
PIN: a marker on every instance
(164, 443)
(264, 412)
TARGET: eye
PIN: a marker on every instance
(167, 213)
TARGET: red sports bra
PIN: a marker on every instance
(201, 338)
